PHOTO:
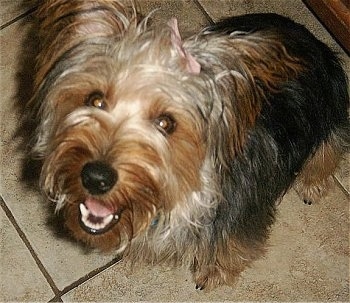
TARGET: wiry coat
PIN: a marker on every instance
(250, 101)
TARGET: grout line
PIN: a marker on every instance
(85, 278)
(341, 186)
(205, 13)
(57, 293)
(56, 299)
(29, 246)
(28, 12)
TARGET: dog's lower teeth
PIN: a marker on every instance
(108, 219)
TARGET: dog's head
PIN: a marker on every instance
(120, 135)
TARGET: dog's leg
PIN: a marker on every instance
(315, 179)
(230, 260)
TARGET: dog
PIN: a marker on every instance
(176, 150)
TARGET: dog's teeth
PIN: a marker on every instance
(83, 210)
(107, 220)
(85, 214)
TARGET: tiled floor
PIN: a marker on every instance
(309, 255)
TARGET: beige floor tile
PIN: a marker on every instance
(309, 258)
(20, 278)
(64, 261)
(308, 261)
(10, 9)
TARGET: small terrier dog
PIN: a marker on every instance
(178, 150)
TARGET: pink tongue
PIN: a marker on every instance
(96, 208)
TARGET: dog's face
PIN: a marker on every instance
(123, 142)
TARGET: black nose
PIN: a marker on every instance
(98, 177)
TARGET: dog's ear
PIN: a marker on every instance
(192, 65)
(85, 18)
(64, 24)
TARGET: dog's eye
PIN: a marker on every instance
(96, 99)
(166, 124)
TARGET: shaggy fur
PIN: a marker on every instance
(173, 150)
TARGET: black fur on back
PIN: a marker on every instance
(302, 114)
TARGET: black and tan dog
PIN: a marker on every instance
(178, 150)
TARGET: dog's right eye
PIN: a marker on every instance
(96, 99)
(166, 124)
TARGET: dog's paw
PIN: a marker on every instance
(312, 193)
(211, 277)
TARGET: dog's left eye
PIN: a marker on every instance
(96, 99)
(166, 124)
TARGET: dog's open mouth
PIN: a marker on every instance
(96, 218)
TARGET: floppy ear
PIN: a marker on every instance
(192, 65)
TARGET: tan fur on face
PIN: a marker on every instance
(151, 177)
